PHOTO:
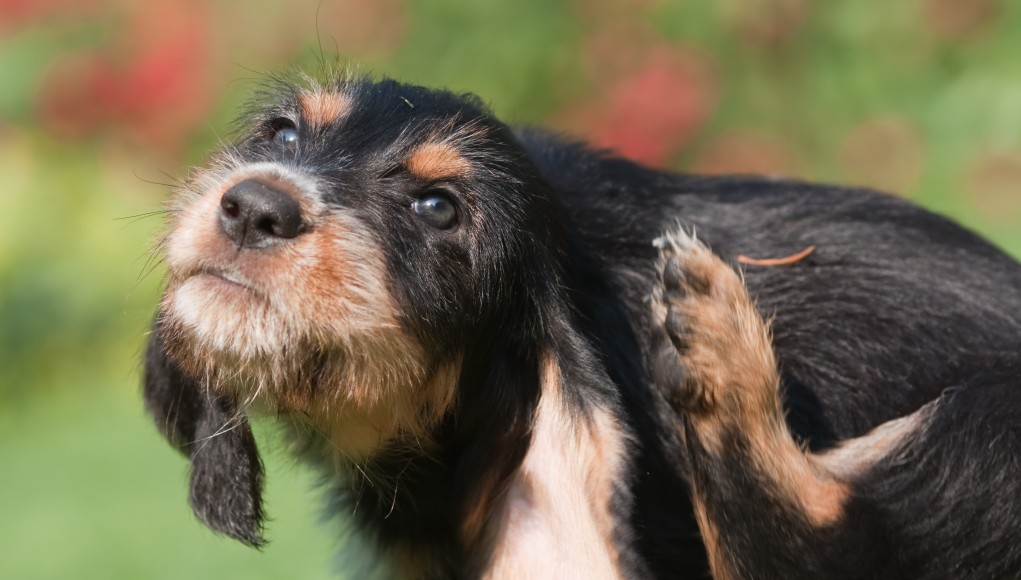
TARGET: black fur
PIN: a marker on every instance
(226, 471)
(554, 253)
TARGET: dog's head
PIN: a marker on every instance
(333, 267)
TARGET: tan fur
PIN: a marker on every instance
(719, 562)
(309, 324)
(480, 512)
(357, 431)
(853, 457)
(321, 107)
(437, 161)
(732, 387)
(555, 521)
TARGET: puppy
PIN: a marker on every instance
(471, 332)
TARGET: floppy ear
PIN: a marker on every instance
(226, 471)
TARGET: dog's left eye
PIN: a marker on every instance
(436, 209)
(283, 132)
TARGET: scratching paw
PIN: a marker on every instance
(712, 351)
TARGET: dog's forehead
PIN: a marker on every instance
(323, 107)
(428, 128)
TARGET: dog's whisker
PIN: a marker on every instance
(397, 483)
(148, 268)
(172, 185)
(140, 216)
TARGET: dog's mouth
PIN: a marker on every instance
(224, 281)
(227, 289)
(224, 311)
(228, 277)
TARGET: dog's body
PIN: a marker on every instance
(472, 332)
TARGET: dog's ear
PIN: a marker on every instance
(226, 471)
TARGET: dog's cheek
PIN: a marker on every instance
(436, 294)
(342, 292)
(194, 232)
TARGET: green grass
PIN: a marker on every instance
(90, 490)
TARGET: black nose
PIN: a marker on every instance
(255, 214)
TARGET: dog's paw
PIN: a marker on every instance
(712, 349)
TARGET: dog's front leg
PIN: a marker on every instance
(766, 508)
(933, 494)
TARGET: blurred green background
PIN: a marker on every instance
(101, 101)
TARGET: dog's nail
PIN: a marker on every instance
(673, 275)
(677, 329)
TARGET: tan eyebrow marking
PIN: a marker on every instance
(434, 161)
(323, 107)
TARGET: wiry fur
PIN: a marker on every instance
(538, 390)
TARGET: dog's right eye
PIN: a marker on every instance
(436, 209)
(283, 131)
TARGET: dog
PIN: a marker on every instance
(515, 356)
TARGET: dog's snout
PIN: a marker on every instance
(255, 214)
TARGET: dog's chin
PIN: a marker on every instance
(230, 336)
(226, 317)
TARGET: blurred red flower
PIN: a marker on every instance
(17, 13)
(150, 82)
(649, 114)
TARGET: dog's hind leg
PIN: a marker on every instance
(935, 494)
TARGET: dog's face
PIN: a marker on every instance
(334, 264)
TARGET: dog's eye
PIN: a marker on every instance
(283, 132)
(436, 209)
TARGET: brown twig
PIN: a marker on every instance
(777, 261)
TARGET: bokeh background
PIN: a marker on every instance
(102, 102)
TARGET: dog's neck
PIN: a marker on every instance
(524, 479)
(555, 519)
